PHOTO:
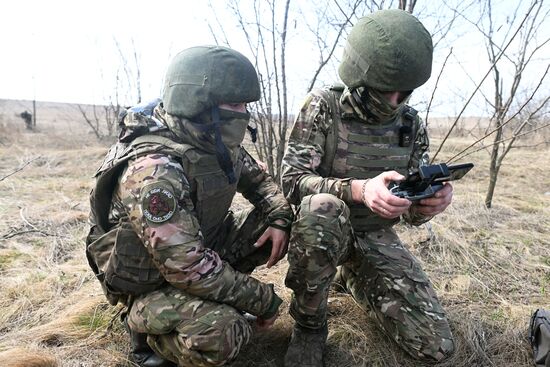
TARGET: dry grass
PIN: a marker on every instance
(491, 267)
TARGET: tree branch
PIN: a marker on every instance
(507, 121)
(482, 80)
(20, 168)
(436, 84)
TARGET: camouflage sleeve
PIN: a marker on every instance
(419, 158)
(258, 187)
(305, 150)
(155, 195)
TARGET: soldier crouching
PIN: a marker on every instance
(163, 240)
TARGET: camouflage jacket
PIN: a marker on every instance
(174, 239)
(306, 149)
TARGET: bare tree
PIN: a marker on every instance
(126, 90)
(327, 24)
(101, 119)
(265, 28)
(407, 5)
(92, 121)
(131, 71)
(514, 114)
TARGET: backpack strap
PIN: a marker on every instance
(332, 96)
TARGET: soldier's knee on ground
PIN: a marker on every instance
(189, 330)
(445, 350)
(436, 347)
(197, 345)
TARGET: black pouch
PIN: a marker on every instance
(130, 269)
(539, 336)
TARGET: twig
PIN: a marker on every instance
(109, 327)
(496, 142)
(490, 290)
(10, 235)
(22, 216)
(436, 84)
(531, 146)
(20, 168)
(511, 117)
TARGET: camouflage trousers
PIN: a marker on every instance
(189, 330)
(379, 272)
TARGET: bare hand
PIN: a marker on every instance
(377, 196)
(262, 165)
(279, 244)
(437, 203)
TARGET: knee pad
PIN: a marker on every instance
(217, 335)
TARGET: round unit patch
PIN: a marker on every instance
(158, 204)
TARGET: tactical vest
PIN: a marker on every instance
(356, 149)
(114, 251)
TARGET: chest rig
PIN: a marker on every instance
(114, 251)
(354, 148)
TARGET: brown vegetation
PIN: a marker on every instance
(491, 267)
(20, 357)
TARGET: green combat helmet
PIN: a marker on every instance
(202, 77)
(388, 50)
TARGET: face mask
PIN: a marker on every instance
(370, 105)
(215, 131)
(201, 132)
(377, 104)
(233, 127)
(229, 128)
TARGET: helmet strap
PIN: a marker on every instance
(253, 133)
(222, 154)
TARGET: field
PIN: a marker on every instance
(490, 267)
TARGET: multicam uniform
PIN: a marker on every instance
(334, 139)
(181, 259)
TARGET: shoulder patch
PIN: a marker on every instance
(158, 203)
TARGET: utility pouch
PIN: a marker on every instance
(539, 336)
(121, 263)
(131, 269)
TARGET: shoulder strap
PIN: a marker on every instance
(332, 96)
(162, 142)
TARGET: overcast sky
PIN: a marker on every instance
(65, 51)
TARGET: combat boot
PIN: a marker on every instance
(306, 347)
(142, 354)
